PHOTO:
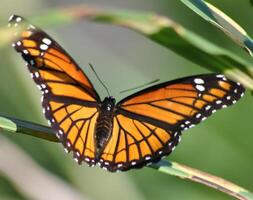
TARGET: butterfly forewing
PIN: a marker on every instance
(46, 59)
(182, 103)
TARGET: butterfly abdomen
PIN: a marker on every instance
(104, 123)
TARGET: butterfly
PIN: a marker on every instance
(138, 130)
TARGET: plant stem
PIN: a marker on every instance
(204, 178)
(19, 126)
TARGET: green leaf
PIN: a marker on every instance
(182, 41)
(223, 22)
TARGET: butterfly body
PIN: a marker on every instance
(140, 129)
(104, 124)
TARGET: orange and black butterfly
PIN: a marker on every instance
(139, 129)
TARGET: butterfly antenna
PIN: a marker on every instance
(92, 68)
(140, 86)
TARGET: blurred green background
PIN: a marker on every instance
(35, 169)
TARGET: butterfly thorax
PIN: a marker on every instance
(104, 123)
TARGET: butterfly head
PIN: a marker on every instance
(108, 104)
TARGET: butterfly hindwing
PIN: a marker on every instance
(70, 102)
(135, 143)
(75, 125)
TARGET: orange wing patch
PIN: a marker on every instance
(75, 125)
(134, 143)
(69, 100)
(43, 56)
(182, 103)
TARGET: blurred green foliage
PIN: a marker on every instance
(222, 145)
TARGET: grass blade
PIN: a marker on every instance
(204, 178)
(223, 22)
(19, 126)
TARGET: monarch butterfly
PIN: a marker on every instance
(140, 129)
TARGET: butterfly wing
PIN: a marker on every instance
(148, 124)
(69, 100)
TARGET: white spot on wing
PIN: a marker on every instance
(220, 76)
(43, 47)
(68, 144)
(25, 51)
(19, 43)
(47, 41)
(11, 17)
(133, 163)
(218, 102)
(36, 74)
(119, 165)
(199, 81)
(18, 19)
(60, 132)
(208, 107)
(204, 118)
(200, 88)
(198, 115)
(43, 85)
